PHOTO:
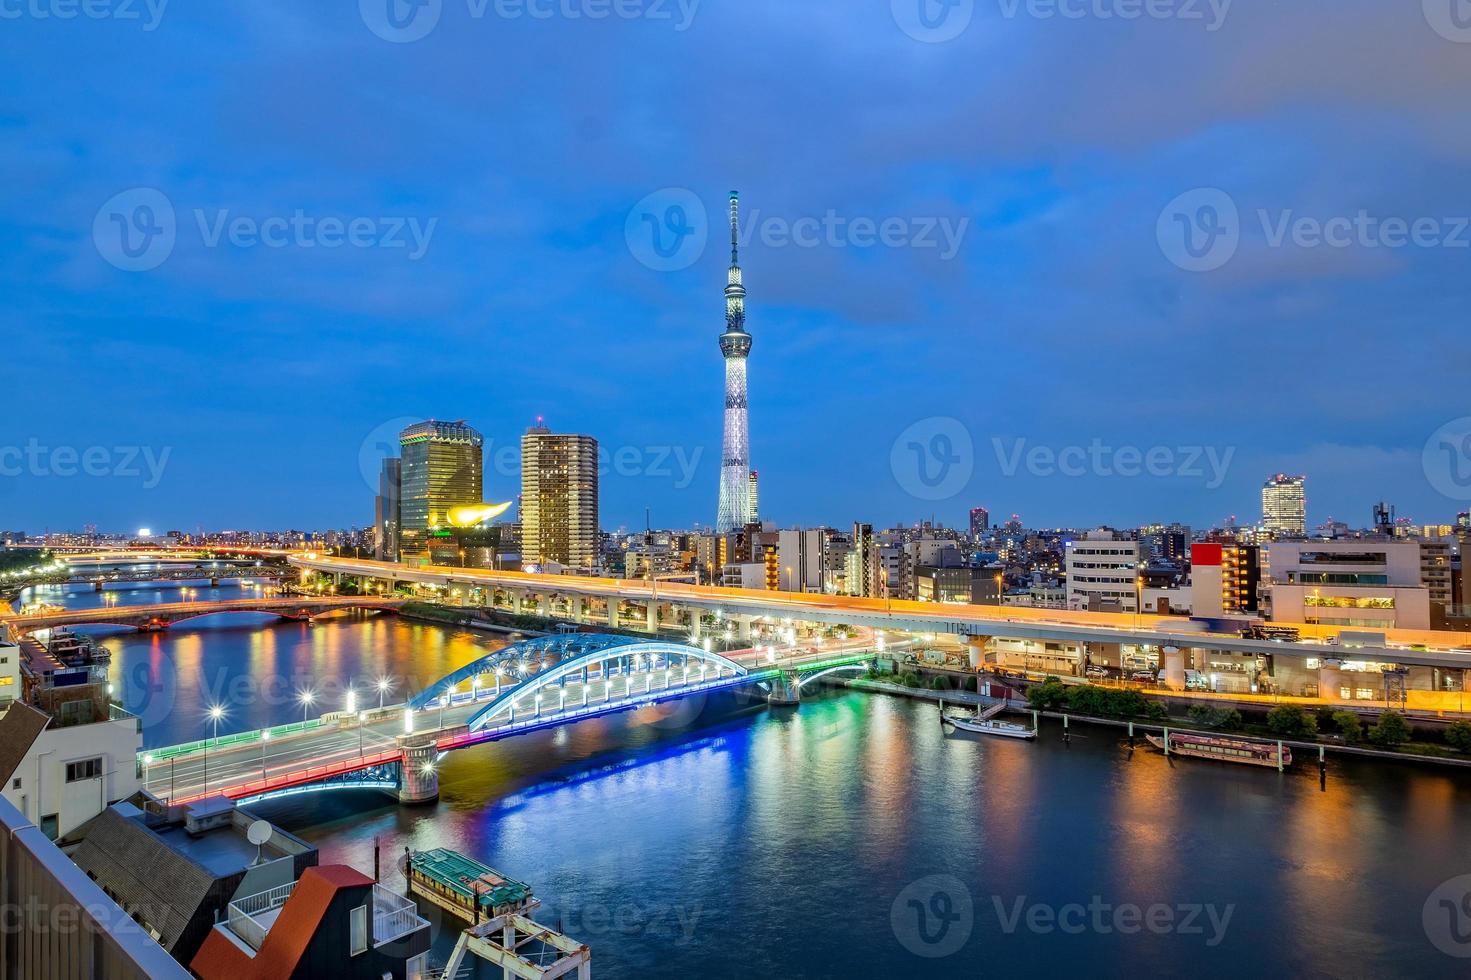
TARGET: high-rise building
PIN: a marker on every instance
(386, 510)
(736, 508)
(755, 497)
(1284, 506)
(441, 468)
(559, 499)
(980, 521)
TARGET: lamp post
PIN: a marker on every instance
(307, 698)
(265, 736)
(383, 685)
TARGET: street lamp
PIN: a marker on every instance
(216, 712)
(147, 761)
(383, 686)
(265, 736)
(307, 698)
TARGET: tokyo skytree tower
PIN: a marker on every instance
(735, 459)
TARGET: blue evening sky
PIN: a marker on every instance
(248, 376)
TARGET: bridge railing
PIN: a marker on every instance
(308, 774)
(227, 741)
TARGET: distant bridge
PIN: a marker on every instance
(163, 615)
(535, 684)
(194, 574)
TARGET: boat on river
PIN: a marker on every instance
(1241, 750)
(464, 886)
(986, 723)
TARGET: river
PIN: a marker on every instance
(851, 837)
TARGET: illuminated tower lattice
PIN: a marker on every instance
(736, 508)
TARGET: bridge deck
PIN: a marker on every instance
(244, 765)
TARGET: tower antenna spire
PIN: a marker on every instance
(735, 210)
(736, 506)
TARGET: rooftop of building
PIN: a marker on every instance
(167, 858)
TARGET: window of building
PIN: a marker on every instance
(359, 929)
(15, 783)
(83, 769)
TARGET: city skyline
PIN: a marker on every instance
(1056, 287)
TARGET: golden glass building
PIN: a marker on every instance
(1284, 506)
(442, 469)
(559, 499)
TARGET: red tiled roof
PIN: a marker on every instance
(301, 916)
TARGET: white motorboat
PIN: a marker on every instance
(987, 726)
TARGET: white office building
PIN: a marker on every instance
(1365, 584)
(1103, 573)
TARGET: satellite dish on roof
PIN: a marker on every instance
(258, 833)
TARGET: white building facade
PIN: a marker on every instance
(1354, 583)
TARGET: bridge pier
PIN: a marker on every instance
(97, 586)
(975, 648)
(1330, 678)
(696, 622)
(613, 612)
(517, 598)
(786, 688)
(419, 781)
(651, 616)
(1174, 664)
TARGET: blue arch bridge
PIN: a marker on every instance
(527, 686)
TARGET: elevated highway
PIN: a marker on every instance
(1427, 648)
